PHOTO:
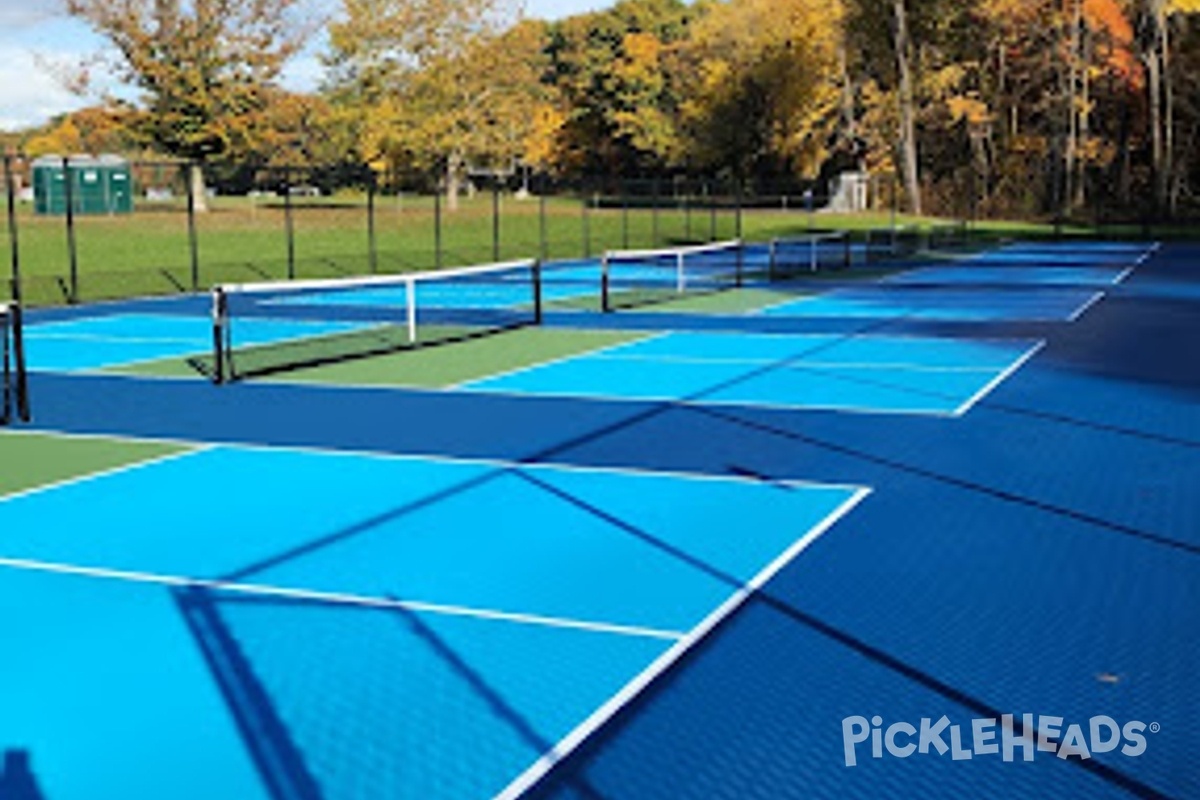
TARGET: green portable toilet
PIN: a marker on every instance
(101, 185)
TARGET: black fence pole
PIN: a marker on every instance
(737, 212)
(372, 242)
(495, 219)
(687, 213)
(624, 215)
(72, 248)
(13, 246)
(543, 240)
(289, 224)
(712, 213)
(587, 225)
(437, 227)
(656, 194)
(193, 238)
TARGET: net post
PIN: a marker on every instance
(495, 218)
(372, 238)
(740, 265)
(6, 388)
(680, 280)
(537, 292)
(773, 260)
(410, 302)
(220, 324)
(605, 284)
(289, 224)
(16, 326)
(814, 244)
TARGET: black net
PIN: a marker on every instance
(633, 278)
(269, 328)
(804, 255)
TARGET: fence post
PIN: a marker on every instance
(495, 219)
(738, 203)
(624, 215)
(587, 225)
(437, 226)
(289, 224)
(193, 241)
(543, 240)
(656, 192)
(15, 250)
(72, 248)
(372, 243)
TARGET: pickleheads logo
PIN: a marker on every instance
(990, 737)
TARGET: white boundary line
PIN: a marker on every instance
(660, 666)
(33, 335)
(999, 379)
(494, 463)
(798, 363)
(463, 385)
(338, 598)
(1122, 275)
(107, 473)
(1087, 306)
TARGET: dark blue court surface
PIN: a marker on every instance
(671, 568)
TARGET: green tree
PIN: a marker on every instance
(203, 67)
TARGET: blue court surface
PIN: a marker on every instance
(664, 569)
(561, 593)
(868, 373)
(1040, 304)
(91, 343)
(970, 273)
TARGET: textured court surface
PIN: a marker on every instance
(659, 539)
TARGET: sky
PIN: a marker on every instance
(37, 37)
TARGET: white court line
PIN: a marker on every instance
(336, 598)
(106, 473)
(798, 362)
(494, 463)
(660, 666)
(1087, 306)
(1003, 376)
(508, 373)
(1125, 273)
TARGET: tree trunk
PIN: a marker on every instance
(1071, 97)
(908, 124)
(1156, 79)
(198, 189)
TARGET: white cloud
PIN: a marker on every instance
(31, 94)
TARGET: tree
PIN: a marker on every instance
(203, 67)
(440, 83)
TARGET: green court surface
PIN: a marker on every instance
(435, 367)
(30, 461)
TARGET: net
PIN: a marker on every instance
(949, 236)
(268, 328)
(886, 244)
(631, 278)
(806, 255)
(14, 394)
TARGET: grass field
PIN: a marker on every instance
(247, 239)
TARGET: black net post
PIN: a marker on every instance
(220, 321)
(372, 240)
(13, 246)
(18, 346)
(605, 285)
(72, 247)
(740, 266)
(537, 292)
(289, 224)
(495, 219)
(193, 238)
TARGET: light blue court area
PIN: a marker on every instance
(969, 273)
(384, 627)
(911, 375)
(1039, 304)
(93, 343)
